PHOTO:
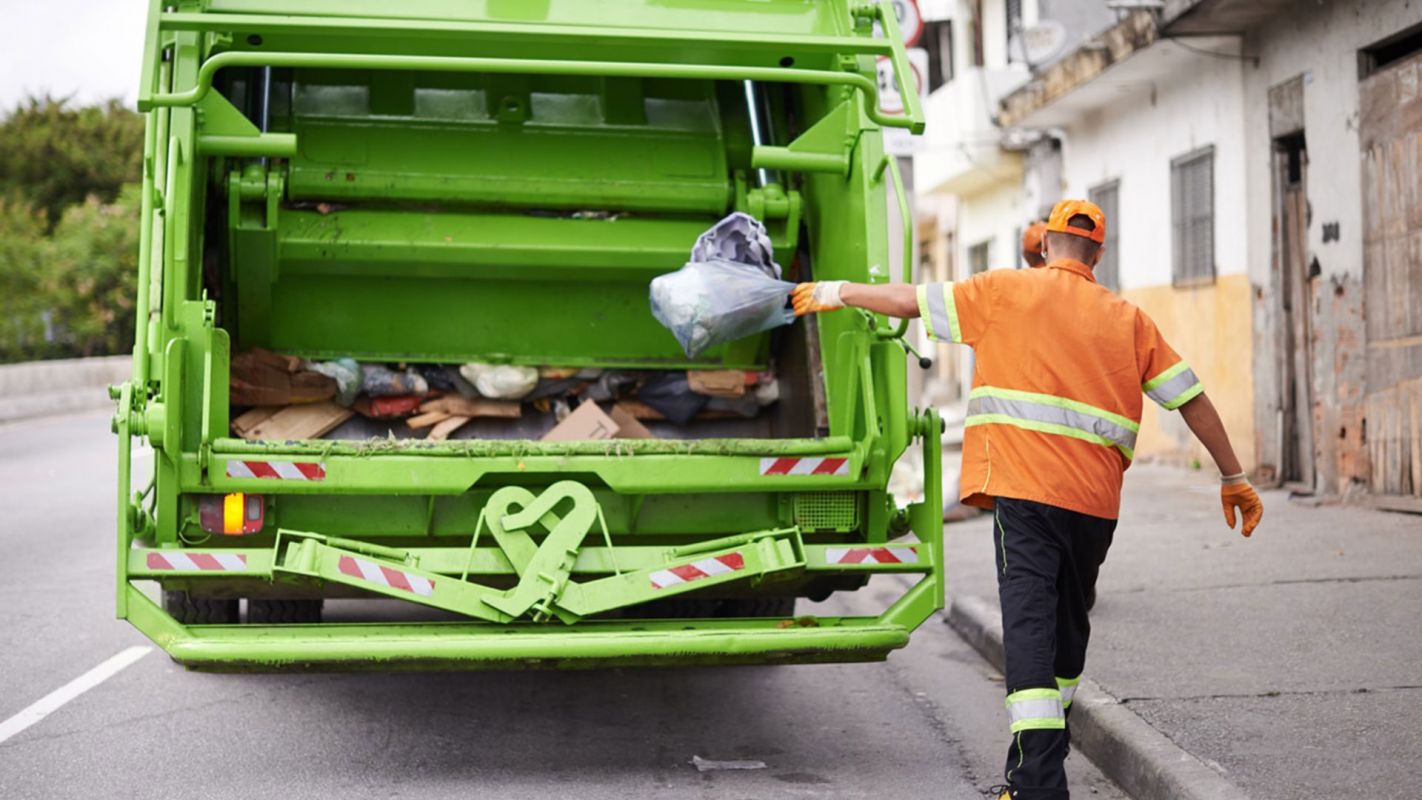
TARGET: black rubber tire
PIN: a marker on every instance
(262, 611)
(768, 606)
(199, 610)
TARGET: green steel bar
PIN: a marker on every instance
(913, 107)
(525, 66)
(489, 448)
(453, 561)
(481, 646)
(890, 163)
(544, 34)
(769, 157)
(122, 419)
(267, 145)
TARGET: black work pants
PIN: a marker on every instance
(1047, 562)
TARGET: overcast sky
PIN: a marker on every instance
(86, 48)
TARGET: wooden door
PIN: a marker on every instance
(1390, 127)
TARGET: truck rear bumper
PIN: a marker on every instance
(475, 646)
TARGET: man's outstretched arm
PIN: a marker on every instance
(1235, 491)
(898, 300)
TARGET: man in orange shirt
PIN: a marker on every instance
(1052, 420)
(1032, 244)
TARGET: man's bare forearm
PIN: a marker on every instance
(899, 300)
(1205, 423)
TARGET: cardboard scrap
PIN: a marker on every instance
(588, 422)
(310, 421)
(445, 427)
(460, 406)
(627, 425)
(250, 418)
(717, 382)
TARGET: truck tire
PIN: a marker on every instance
(199, 610)
(262, 611)
(758, 607)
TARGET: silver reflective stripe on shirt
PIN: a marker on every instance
(934, 308)
(1068, 689)
(1176, 390)
(1113, 433)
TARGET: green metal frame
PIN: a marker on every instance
(536, 592)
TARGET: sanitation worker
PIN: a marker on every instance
(1032, 244)
(1052, 418)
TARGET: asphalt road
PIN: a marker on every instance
(927, 724)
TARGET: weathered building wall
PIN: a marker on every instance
(1322, 47)
(1190, 101)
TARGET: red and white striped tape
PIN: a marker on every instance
(871, 555)
(280, 470)
(696, 570)
(804, 466)
(385, 576)
(207, 562)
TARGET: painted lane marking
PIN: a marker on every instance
(52, 702)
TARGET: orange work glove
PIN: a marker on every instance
(812, 298)
(1242, 496)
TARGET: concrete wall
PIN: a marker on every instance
(42, 388)
(1192, 102)
(1322, 46)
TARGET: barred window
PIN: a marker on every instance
(1192, 212)
(1108, 269)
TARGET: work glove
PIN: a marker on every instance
(812, 298)
(1236, 492)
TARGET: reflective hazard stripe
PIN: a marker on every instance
(277, 470)
(194, 562)
(695, 571)
(1035, 709)
(871, 555)
(938, 312)
(804, 466)
(1174, 387)
(385, 576)
(1067, 687)
(1046, 413)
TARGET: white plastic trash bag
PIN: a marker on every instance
(710, 302)
(501, 381)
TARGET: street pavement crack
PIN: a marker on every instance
(1269, 694)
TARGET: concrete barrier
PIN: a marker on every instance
(44, 388)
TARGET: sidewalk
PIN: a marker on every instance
(1289, 662)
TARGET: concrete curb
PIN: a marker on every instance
(48, 388)
(1140, 759)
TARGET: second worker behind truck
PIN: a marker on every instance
(1052, 419)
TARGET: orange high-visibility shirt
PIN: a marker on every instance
(1056, 401)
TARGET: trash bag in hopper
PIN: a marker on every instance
(708, 303)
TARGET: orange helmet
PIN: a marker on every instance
(1063, 211)
(1032, 241)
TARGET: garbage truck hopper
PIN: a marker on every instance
(497, 183)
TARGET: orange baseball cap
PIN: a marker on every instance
(1032, 239)
(1063, 211)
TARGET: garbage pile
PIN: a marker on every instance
(286, 397)
(729, 290)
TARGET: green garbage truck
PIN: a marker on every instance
(442, 182)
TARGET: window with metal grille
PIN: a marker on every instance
(1108, 269)
(1192, 213)
(978, 257)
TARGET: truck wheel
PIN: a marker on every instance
(191, 610)
(280, 612)
(758, 607)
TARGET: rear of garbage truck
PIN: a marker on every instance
(498, 182)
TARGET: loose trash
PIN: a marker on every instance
(670, 393)
(345, 372)
(708, 303)
(501, 381)
(378, 381)
(387, 407)
(708, 765)
(717, 382)
(740, 238)
(263, 378)
(306, 421)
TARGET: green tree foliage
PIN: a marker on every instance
(68, 229)
(90, 274)
(53, 156)
(22, 246)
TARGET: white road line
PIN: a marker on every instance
(51, 702)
